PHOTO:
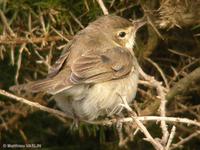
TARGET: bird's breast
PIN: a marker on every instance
(105, 98)
(89, 102)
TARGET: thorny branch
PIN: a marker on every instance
(103, 122)
(183, 84)
(133, 118)
(161, 91)
(20, 40)
(32, 104)
(180, 87)
(182, 141)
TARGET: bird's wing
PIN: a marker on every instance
(91, 67)
(101, 66)
(60, 62)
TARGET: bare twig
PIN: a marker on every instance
(171, 136)
(154, 27)
(142, 128)
(179, 53)
(160, 71)
(174, 146)
(184, 109)
(3, 124)
(148, 118)
(23, 135)
(66, 39)
(33, 104)
(12, 55)
(183, 84)
(5, 22)
(23, 46)
(11, 121)
(20, 40)
(103, 7)
(124, 8)
(43, 23)
(161, 95)
(76, 19)
(189, 110)
(177, 74)
(163, 102)
(149, 138)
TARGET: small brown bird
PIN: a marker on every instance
(95, 70)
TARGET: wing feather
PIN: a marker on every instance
(100, 66)
(91, 67)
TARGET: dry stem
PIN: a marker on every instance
(20, 40)
(103, 122)
(33, 104)
(103, 7)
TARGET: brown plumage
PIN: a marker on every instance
(96, 69)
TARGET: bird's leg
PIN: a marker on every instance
(76, 120)
(119, 127)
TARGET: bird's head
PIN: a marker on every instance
(121, 31)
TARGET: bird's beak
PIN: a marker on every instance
(139, 23)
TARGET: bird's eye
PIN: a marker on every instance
(122, 34)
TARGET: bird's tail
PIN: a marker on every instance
(49, 85)
(44, 85)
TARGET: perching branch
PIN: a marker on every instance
(33, 104)
(103, 122)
